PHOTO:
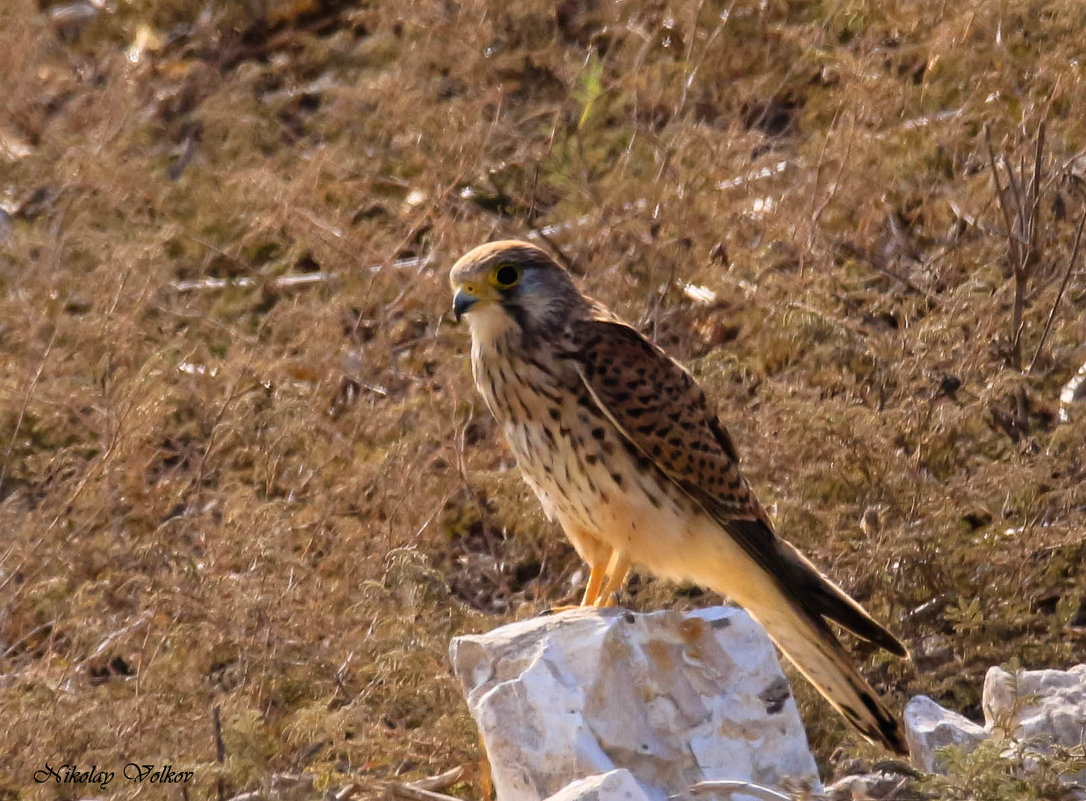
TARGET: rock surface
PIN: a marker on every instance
(1036, 707)
(615, 785)
(674, 699)
(1073, 393)
(1045, 706)
(929, 727)
(874, 786)
(1037, 702)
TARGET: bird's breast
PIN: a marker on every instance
(582, 469)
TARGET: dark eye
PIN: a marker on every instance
(506, 276)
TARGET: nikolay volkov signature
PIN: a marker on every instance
(69, 773)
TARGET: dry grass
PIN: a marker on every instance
(282, 501)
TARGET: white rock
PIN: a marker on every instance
(1038, 706)
(675, 699)
(929, 727)
(1035, 703)
(1074, 391)
(867, 787)
(615, 785)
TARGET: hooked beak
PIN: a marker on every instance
(462, 302)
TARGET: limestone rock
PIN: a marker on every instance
(1035, 707)
(929, 727)
(1039, 706)
(1037, 703)
(615, 785)
(675, 699)
(1073, 393)
(874, 786)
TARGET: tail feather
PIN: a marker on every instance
(784, 592)
(816, 652)
(825, 599)
(817, 594)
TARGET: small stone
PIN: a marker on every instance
(866, 787)
(69, 19)
(929, 727)
(934, 651)
(1072, 393)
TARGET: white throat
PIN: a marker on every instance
(489, 323)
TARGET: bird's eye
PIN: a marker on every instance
(506, 276)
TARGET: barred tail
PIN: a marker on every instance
(814, 649)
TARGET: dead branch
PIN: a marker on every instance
(441, 780)
(1059, 295)
(731, 786)
(1020, 207)
(413, 793)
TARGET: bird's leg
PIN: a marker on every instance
(617, 569)
(596, 555)
(598, 572)
(591, 592)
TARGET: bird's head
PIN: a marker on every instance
(512, 283)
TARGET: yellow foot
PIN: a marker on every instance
(617, 570)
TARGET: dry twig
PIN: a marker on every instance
(413, 793)
(731, 786)
(441, 780)
(1059, 295)
(1020, 206)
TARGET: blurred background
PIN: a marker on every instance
(245, 476)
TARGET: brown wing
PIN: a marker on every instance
(661, 410)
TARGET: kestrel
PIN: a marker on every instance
(618, 442)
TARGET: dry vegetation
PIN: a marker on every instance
(282, 499)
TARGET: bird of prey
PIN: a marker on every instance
(619, 444)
